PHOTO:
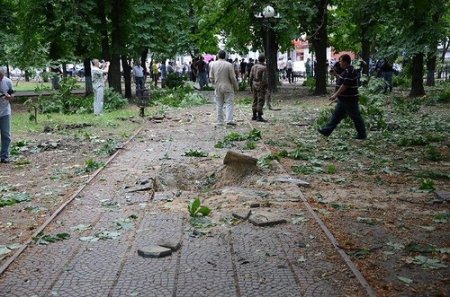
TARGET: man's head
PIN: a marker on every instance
(345, 61)
(2, 72)
(96, 62)
(261, 59)
(222, 54)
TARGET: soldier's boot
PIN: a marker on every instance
(260, 118)
(255, 116)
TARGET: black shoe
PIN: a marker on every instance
(261, 119)
(231, 124)
(5, 161)
(254, 117)
(323, 132)
(360, 137)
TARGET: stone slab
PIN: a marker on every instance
(154, 251)
(263, 219)
(295, 181)
(173, 245)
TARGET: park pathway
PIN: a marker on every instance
(108, 222)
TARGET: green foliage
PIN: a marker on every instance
(108, 148)
(372, 110)
(196, 209)
(406, 106)
(433, 154)
(243, 85)
(174, 80)
(182, 96)
(401, 80)
(227, 142)
(249, 145)
(310, 83)
(46, 239)
(13, 198)
(195, 153)
(113, 101)
(91, 165)
(426, 184)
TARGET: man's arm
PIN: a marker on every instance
(341, 90)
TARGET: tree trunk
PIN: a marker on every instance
(445, 46)
(272, 62)
(64, 68)
(365, 50)
(320, 43)
(116, 41)
(144, 62)
(127, 76)
(417, 88)
(431, 68)
(87, 76)
(101, 13)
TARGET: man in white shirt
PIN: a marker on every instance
(138, 73)
(222, 75)
(6, 91)
(289, 70)
(98, 84)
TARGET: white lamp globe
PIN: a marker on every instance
(269, 12)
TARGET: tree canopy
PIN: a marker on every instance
(36, 33)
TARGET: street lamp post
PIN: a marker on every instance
(268, 16)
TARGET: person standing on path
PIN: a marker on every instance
(347, 101)
(222, 75)
(202, 75)
(98, 83)
(258, 75)
(138, 73)
(289, 70)
(6, 91)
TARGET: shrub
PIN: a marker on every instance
(113, 100)
(174, 80)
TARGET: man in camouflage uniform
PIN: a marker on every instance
(258, 76)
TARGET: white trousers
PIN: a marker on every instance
(98, 100)
(227, 99)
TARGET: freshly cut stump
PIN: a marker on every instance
(232, 158)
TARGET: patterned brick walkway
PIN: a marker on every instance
(231, 259)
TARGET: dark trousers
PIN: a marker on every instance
(289, 75)
(340, 112)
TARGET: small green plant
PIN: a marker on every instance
(426, 184)
(108, 148)
(266, 161)
(433, 154)
(195, 153)
(243, 85)
(196, 209)
(254, 135)
(331, 169)
(412, 140)
(13, 198)
(249, 145)
(91, 165)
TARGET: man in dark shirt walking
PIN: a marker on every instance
(347, 101)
